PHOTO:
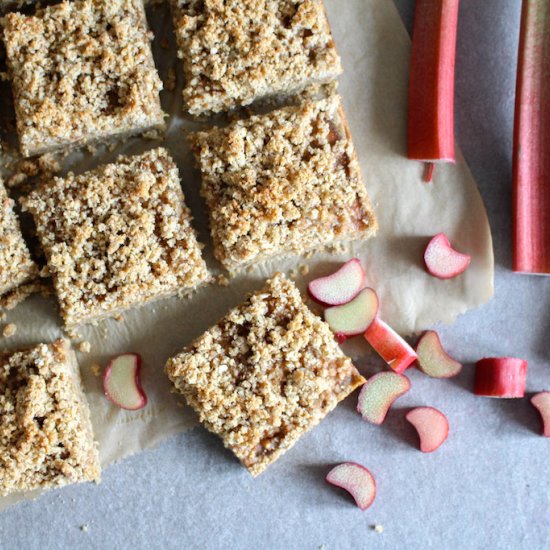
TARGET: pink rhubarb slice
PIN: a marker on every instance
(433, 360)
(431, 84)
(355, 317)
(531, 158)
(341, 287)
(432, 427)
(356, 480)
(500, 377)
(442, 260)
(379, 393)
(541, 401)
(390, 346)
(122, 384)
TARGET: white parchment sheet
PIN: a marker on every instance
(374, 90)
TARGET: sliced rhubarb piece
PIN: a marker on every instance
(122, 384)
(379, 393)
(356, 480)
(432, 427)
(442, 260)
(500, 377)
(431, 84)
(531, 158)
(355, 317)
(390, 346)
(433, 360)
(341, 287)
(541, 401)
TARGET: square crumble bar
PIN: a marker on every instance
(116, 237)
(46, 437)
(16, 265)
(237, 51)
(81, 71)
(285, 182)
(269, 371)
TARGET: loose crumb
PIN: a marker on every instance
(170, 83)
(84, 347)
(96, 369)
(377, 528)
(9, 330)
(84, 528)
(303, 269)
(222, 280)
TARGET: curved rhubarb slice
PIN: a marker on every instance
(122, 384)
(442, 260)
(356, 480)
(390, 346)
(431, 83)
(341, 287)
(500, 377)
(355, 317)
(433, 360)
(379, 393)
(432, 427)
(541, 402)
(531, 159)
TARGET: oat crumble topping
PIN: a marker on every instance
(46, 435)
(237, 51)
(117, 237)
(265, 374)
(285, 182)
(16, 265)
(81, 71)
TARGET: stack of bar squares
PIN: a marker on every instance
(279, 183)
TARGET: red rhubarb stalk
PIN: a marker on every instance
(431, 86)
(500, 377)
(531, 162)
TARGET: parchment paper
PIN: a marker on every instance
(374, 89)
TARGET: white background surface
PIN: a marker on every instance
(487, 487)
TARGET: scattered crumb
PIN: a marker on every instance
(337, 248)
(293, 273)
(96, 369)
(153, 134)
(84, 347)
(309, 254)
(119, 318)
(303, 269)
(377, 528)
(9, 330)
(3, 315)
(73, 333)
(222, 280)
(170, 83)
(84, 528)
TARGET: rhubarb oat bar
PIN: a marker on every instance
(46, 437)
(285, 182)
(269, 371)
(117, 237)
(81, 71)
(238, 51)
(16, 265)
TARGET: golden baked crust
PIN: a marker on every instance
(265, 374)
(117, 237)
(286, 182)
(81, 71)
(237, 51)
(46, 437)
(16, 265)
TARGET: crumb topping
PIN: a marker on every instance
(236, 51)
(117, 236)
(266, 373)
(280, 183)
(45, 435)
(81, 71)
(16, 265)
